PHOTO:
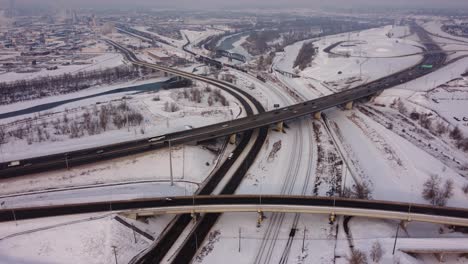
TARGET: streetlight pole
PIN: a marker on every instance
(115, 254)
(396, 237)
(303, 239)
(183, 161)
(170, 163)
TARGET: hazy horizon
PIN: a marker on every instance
(215, 4)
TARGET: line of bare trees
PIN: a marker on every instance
(22, 90)
(91, 122)
(196, 95)
(305, 55)
(438, 128)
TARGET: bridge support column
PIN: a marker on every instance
(260, 217)
(332, 218)
(440, 257)
(280, 127)
(349, 105)
(132, 216)
(195, 216)
(232, 139)
(166, 74)
(318, 115)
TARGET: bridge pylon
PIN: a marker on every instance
(318, 115)
(332, 218)
(195, 216)
(232, 139)
(280, 127)
(260, 218)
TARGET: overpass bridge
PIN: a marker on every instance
(252, 203)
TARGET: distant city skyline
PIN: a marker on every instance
(213, 4)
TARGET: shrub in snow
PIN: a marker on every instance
(376, 252)
(440, 128)
(402, 108)
(435, 193)
(424, 121)
(171, 107)
(465, 188)
(463, 144)
(456, 133)
(414, 115)
(357, 257)
(358, 191)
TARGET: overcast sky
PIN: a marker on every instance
(244, 3)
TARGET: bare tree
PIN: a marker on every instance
(424, 121)
(401, 107)
(376, 252)
(304, 57)
(435, 193)
(456, 133)
(2, 135)
(465, 188)
(358, 191)
(440, 128)
(357, 257)
(463, 144)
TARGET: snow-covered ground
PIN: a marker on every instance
(98, 62)
(373, 55)
(76, 239)
(190, 163)
(157, 120)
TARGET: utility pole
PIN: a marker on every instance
(396, 237)
(170, 163)
(134, 234)
(66, 161)
(183, 161)
(14, 217)
(115, 254)
(239, 239)
(303, 239)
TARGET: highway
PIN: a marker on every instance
(253, 203)
(59, 161)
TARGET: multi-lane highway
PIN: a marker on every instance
(253, 203)
(435, 58)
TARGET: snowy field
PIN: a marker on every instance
(372, 55)
(94, 238)
(98, 62)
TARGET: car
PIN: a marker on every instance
(156, 139)
(100, 151)
(231, 155)
(168, 199)
(14, 163)
(225, 125)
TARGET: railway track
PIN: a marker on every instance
(265, 252)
